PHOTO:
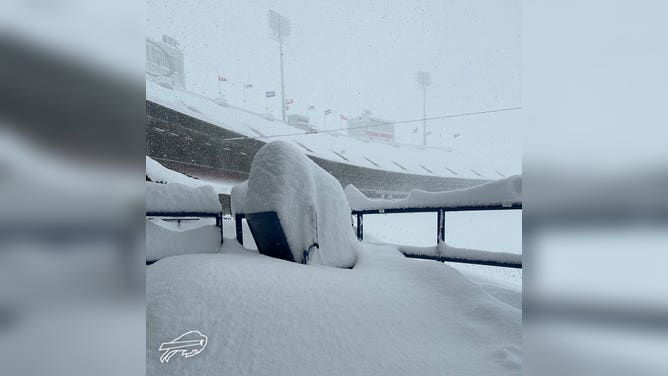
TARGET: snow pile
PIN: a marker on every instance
(167, 239)
(238, 196)
(309, 202)
(506, 191)
(389, 315)
(445, 250)
(179, 198)
(161, 174)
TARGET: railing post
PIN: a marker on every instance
(219, 222)
(238, 222)
(440, 227)
(360, 227)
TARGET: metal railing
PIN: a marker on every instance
(440, 228)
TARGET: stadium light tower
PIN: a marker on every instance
(279, 30)
(424, 80)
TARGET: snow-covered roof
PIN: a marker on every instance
(331, 146)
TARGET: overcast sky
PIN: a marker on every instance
(351, 55)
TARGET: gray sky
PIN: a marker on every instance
(350, 56)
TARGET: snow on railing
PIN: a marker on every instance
(444, 252)
(503, 194)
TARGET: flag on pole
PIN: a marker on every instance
(455, 135)
(270, 94)
(221, 78)
(328, 111)
(249, 86)
(289, 101)
(343, 117)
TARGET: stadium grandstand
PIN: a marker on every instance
(193, 135)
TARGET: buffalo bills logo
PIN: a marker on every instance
(187, 345)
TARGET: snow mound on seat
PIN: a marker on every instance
(179, 198)
(309, 202)
(238, 196)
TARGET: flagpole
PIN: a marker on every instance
(218, 78)
(280, 27)
(424, 115)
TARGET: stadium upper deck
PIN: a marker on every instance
(334, 147)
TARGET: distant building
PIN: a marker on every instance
(300, 121)
(164, 62)
(367, 127)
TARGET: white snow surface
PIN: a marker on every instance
(161, 174)
(238, 198)
(309, 202)
(503, 191)
(165, 239)
(332, 146)
(445, 250)
(389, 315)
(179, 198)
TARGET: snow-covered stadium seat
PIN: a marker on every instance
(297, 211)
(178, 201)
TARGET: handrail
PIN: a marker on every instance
(440, 227)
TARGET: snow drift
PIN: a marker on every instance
(309, 202)
(389, 315)
(506, 191)
(179, 198)
(161, 174)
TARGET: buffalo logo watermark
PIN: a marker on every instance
(187, 345)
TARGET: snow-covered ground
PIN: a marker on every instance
(388, 315)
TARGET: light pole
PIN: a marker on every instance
(308, 112)
(326, 113)
(279, 30)
(424, 80)
(246, 86)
